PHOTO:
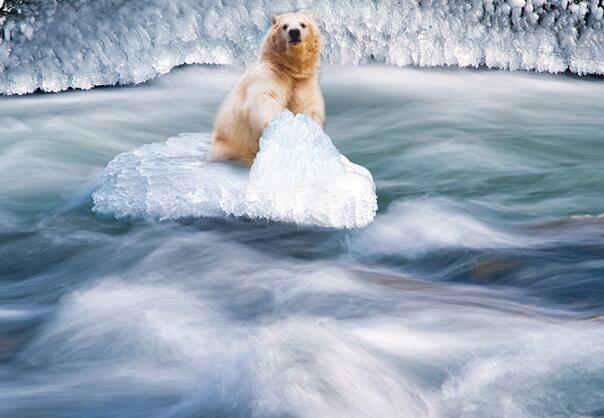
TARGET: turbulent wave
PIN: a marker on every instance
(53, 45)
(412, 228)
(207, 343)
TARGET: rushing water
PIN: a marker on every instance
(476, 292)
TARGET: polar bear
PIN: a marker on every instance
(285, 76)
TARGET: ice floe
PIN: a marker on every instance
(298, 176)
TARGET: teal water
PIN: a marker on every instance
(477, 291)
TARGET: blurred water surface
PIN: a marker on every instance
(476, 292)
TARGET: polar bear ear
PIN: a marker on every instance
(274, 19)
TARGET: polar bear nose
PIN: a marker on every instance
(294, 34)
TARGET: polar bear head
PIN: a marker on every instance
(294, 40)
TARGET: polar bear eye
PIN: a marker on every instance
(303, 25)
(284, 27)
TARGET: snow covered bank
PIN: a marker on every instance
(53, 45)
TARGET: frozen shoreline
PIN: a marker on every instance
(81, 44)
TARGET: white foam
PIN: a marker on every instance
(298, 176)
(186, 347)
(416, 227)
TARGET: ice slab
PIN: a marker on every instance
(298, 176)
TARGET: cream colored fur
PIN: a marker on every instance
(285, 76)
